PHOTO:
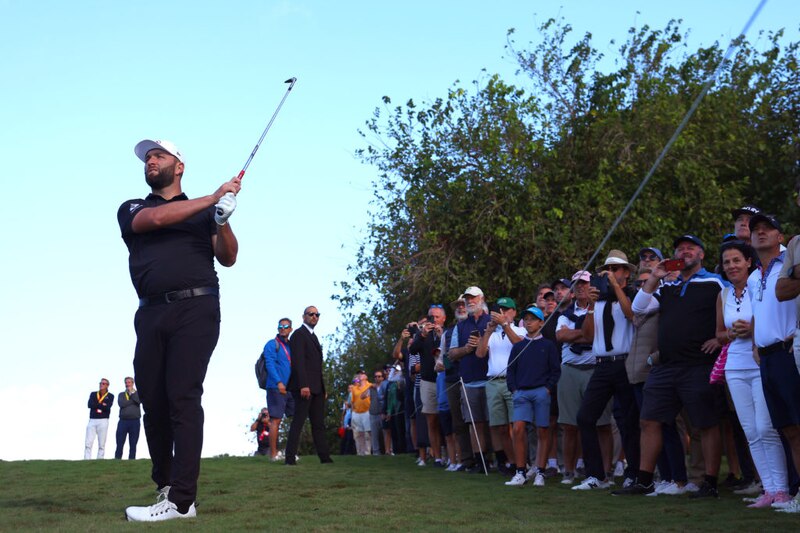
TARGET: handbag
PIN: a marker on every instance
(717, 376)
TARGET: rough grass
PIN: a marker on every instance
(353, 494)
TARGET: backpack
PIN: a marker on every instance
(261, 371)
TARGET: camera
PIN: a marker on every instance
(413, 329)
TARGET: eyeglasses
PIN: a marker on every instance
(648, 257)
(313, 314)
(284, 326)
(104, 383)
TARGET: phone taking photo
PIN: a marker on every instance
(674, 265)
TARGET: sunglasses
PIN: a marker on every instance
(648, 257)
(313, 314)
(284, 327)
(436, 306)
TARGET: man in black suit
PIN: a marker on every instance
(307, 387)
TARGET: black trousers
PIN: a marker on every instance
(173, 347)
(609, 380)
(312, 408)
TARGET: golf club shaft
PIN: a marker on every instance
(291, 81)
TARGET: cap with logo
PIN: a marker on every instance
(146, 145)
(694, 239)
(582, 275)
(655, 251)
(763, 217)
(506, 302)
(745, 210)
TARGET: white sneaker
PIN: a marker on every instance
(784, 505)
(752, 489)
(673, 489)
(658, 487)
(568, 479)
(792, 506)
(420, 462)
(591, 483)
(160, 511)
(517, 481)
(690, 487)
(538, 481)
(619, 470)
(531, 473)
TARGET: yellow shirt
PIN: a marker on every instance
(359, 405)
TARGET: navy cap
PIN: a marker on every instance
(745, 210)
(728, 237)
(654, 250)
(688, 238)
(763, 217)
(563, 281)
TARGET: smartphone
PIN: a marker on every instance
(601, 284)
(672, 265)
(475, 333)
(495, 309)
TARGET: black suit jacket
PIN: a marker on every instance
(306, 361)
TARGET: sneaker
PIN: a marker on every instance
(765, 500)
(619, 470)
(705, 491)
(782, 500)
(550, 471)
(658, 486)
(439, 463)
(517, 481)
(538, 481)
(690, 487)
(420, 462)
(591, 483)
(506, 470)
(732, 481)
(792, 506)
(627, 482)
(752, 488)
(477, 468)
(636, 489)
(568, 479)
(674, 490)
(278, 456)
(160, 511)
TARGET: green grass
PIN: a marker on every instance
(353, 494)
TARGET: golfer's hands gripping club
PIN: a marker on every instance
(226, 205)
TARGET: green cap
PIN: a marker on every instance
(505, 301)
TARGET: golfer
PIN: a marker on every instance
(172, 242)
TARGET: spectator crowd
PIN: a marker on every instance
(635, 378)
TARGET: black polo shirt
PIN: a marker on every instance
(177, 257)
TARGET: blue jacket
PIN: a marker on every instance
(278, 358)
(533, 364)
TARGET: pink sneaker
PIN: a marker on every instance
(765, 500)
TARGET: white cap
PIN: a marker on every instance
(146, 145)
(473, 291)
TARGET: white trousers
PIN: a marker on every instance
(98, 427)
(361, 433)
(765, 443)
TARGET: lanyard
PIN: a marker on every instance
(101, 398)
(765, 274)
(282, 345)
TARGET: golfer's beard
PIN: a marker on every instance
(164, 178)
(461, 316)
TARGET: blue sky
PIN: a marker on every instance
(83, 81)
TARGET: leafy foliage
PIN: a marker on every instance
(505, 187)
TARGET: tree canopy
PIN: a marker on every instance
(506, 187)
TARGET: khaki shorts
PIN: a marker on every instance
(427, 393)
(500, 402)
(571, 387)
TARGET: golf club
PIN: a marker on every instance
(291, 81)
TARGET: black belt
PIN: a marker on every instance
(495, 378)
(610, 358)
(585, 366)
(782, 346)
(174, 296)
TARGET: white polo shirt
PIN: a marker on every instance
(775, 321)
(499, 350)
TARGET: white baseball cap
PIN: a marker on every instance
(146, 145)
(472, 291)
